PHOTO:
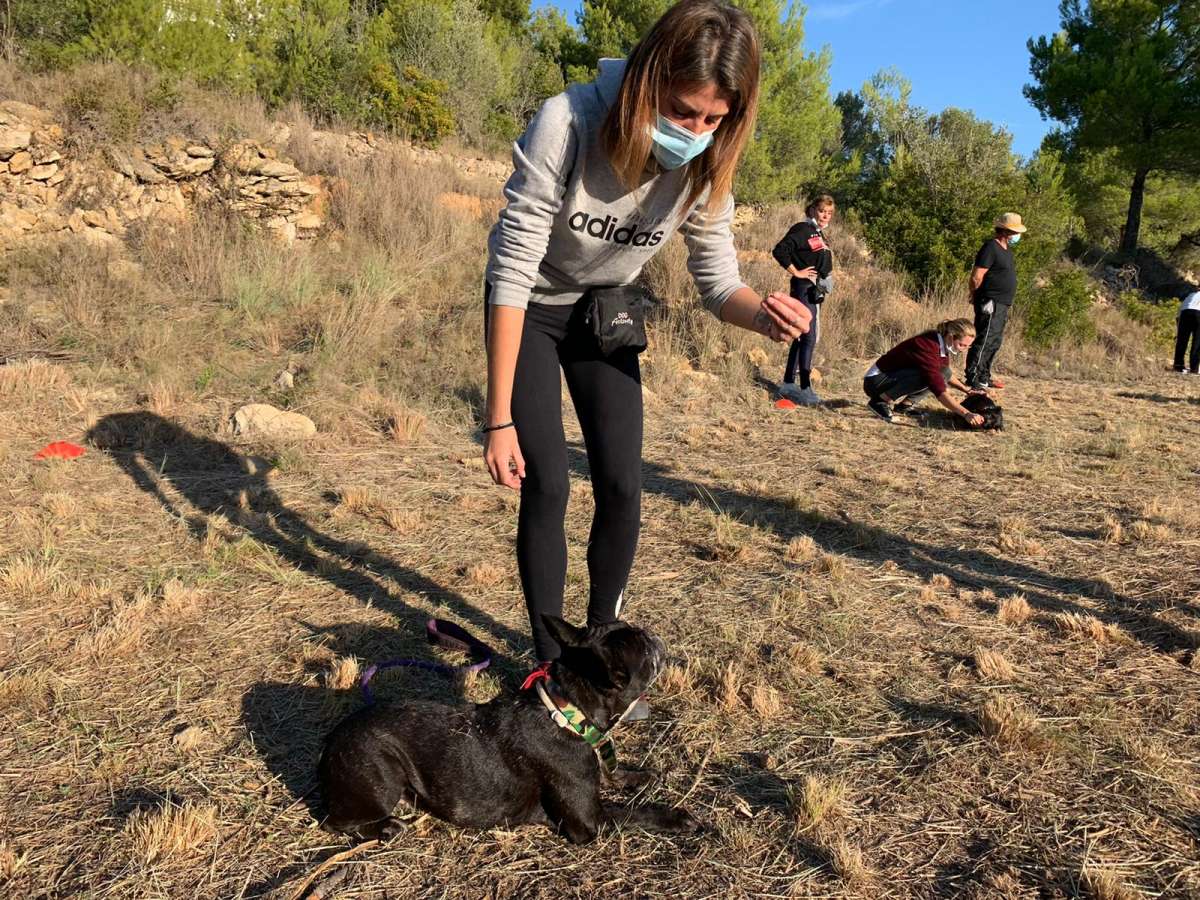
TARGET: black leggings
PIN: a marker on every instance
(607, 395)
(800, 354)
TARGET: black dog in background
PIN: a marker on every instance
(500, 763)
(983, 405)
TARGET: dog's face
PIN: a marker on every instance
(606, 668)
(983, 405)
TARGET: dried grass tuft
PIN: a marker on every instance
(729, 687)
(804, 659)
(801, 549)
(401, 521)
(991, 666)
(1143, 532)
(189, 739)
(1013, 537)
(1014, 610)
(1008, 726)
(848, 862)
(32, 378)
(357, 498)
(485, 574)
(124, 629)
(11, 862)
(33, 693)
(180, 600)
(1100, 885)
(1081, 625)
(677, 679)
(402, 424)
(171, 832)
(343, 673)
(817, 800)
(832, 565)
(766, 701)
(1111, 531)
(941, 582)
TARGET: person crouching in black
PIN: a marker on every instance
(807, 258)
(918, 366)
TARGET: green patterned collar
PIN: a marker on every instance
(569, 716)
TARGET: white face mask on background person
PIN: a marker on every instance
(1013, 238)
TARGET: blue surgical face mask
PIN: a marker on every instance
(1013, 238)
(675, 146)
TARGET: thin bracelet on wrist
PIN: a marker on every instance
(488, 428)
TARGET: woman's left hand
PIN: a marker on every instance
(783, 318)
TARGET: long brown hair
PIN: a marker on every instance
(956, 329)
(695, 42)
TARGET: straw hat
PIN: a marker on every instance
(1011, 222)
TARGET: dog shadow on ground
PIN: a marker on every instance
(976, 568)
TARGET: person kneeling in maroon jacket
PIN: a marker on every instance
(918, 366)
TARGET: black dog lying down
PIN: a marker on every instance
(983, 405)
(500, 763)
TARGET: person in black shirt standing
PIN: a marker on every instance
(807, 258)
(993, 286)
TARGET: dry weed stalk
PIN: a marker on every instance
(343, 673)
(992, 666)
(174, 830)
(1014, 610)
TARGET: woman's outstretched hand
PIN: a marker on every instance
(502, 454)
(783, 318)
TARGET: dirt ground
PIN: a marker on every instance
(909, 661)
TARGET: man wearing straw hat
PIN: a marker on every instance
(993, 286)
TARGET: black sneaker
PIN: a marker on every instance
(881, 409)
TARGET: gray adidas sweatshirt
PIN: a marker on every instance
(570, 224)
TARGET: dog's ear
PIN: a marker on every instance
(564, 632)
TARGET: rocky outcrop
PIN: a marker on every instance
(261, 420)
(44, 191)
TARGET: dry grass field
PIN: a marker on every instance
(908, 661)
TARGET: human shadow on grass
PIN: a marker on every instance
(873, 545)
(1157, 398)
(216, 480)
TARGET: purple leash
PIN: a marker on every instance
(440, 633)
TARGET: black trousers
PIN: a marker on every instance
(1189, 329)
(607, 395)
(902, 383)
(989, 332)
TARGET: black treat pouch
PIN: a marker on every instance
(617, 317)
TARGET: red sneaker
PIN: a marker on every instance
(998, 384)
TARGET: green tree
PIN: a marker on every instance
(1121, 77)
(799, 129)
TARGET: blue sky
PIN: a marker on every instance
(965, 53)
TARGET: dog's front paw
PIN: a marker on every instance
(679, 821)
(631, 779)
